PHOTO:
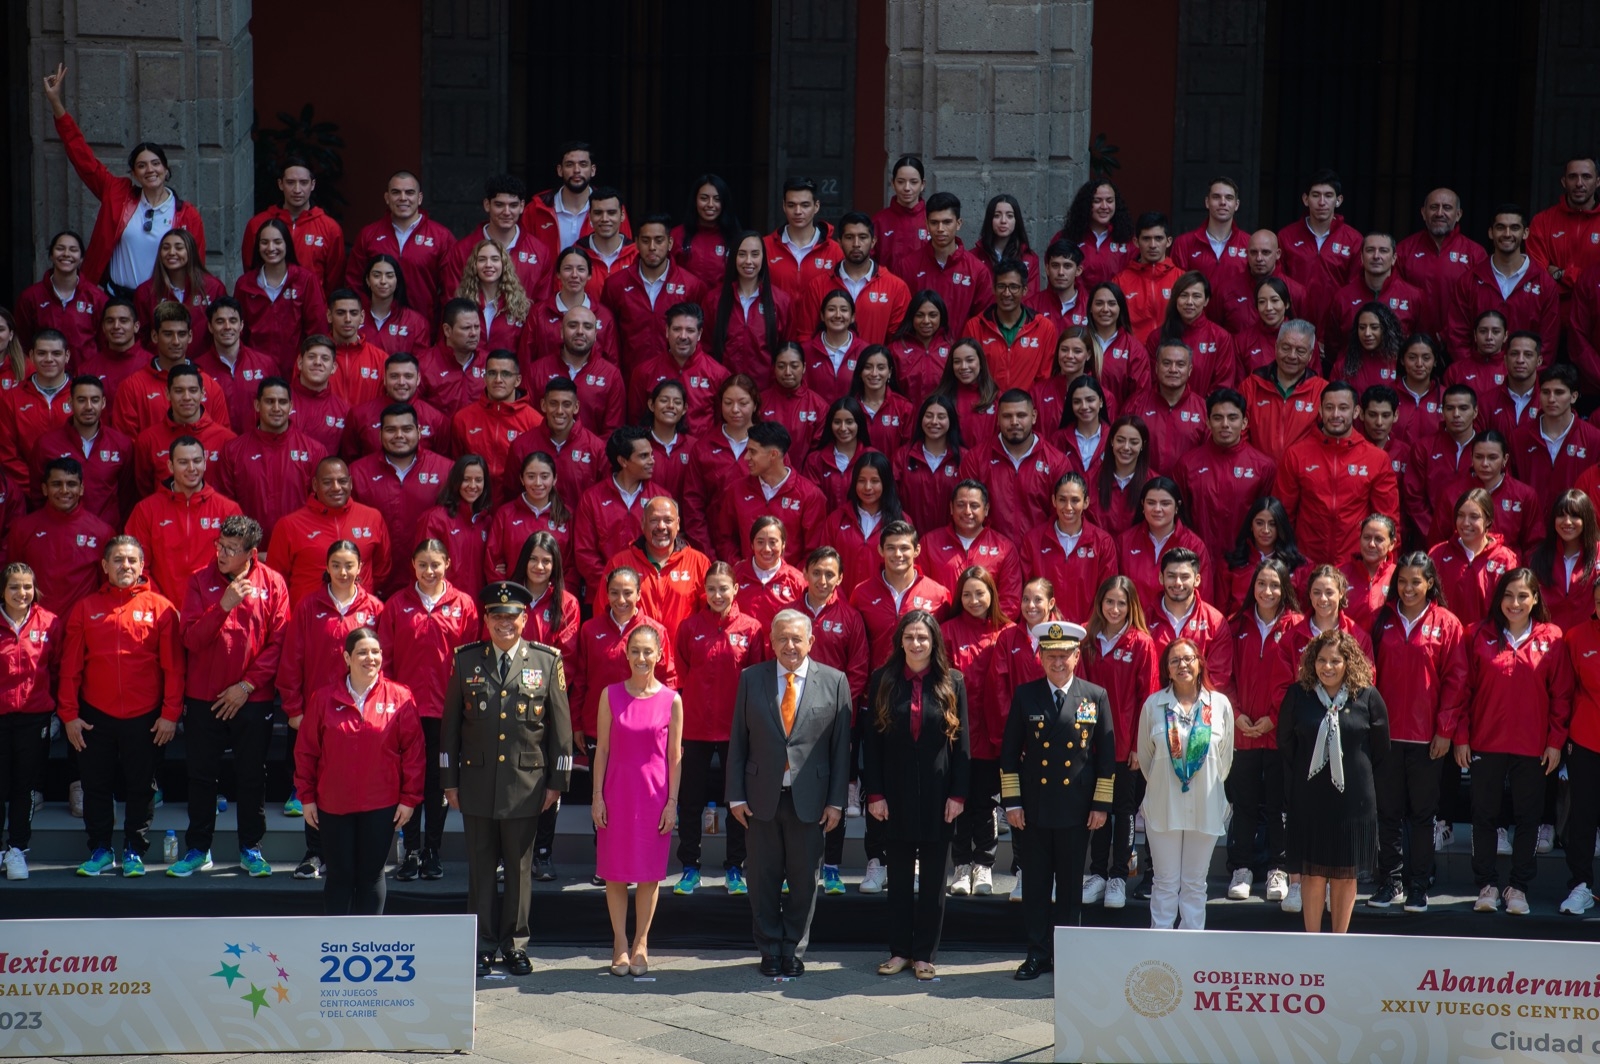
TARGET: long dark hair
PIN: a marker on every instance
(937, 686)
(863, 430)
(1389, 346)
(1077, 226)
(907, 330)
(727, 221)
(1083, 380)
(729, 295)
(1018, 245)
(282, 229)
(1097, 620)
(1545, 556)
(1283, 548)
(988, 387)
(558, 507)
(400, 298)
(195, 271)
(1497, 613)
(1172, 324)
(919, 437)
(859, 389)
(1124, 322)
(1291, 598)
(1106, 482)
(450, 494)
(547, 543)
(889, 506)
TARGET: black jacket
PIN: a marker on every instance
(915, 777)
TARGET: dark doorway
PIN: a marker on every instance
(1400, 99)
(16, 149)
(663, 92)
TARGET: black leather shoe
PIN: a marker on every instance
(1033, 968)
(770, 967)
(410, 867)
(793, 967)
(518, 961)
(485, 962)
(432, 867)
(544, 869)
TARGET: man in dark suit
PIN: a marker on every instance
(788, 771)
(1057, 764)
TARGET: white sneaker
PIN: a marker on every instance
(982, 880)
(875, 877)
(1016, 889)
(1116, 893)
(916, 877)
(1546, 839)
(1094, 889)
(16, 866)
(1277, 885)
(852, 804)
(1239, 888)
(1443, 833)
(1516, 902)
(1488, 900)
(1580, 901)
(961, 882)
(1502, 843)
(1291, 899)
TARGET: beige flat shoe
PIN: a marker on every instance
(925, 972)
(893, 966)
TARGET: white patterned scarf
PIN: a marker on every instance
(1327, 750)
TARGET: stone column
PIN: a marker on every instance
(994, 95)
(177, 72)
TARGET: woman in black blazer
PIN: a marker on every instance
(915, 773)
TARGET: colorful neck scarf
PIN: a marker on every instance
(1188, 757)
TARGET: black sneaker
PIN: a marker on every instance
(410, 867)
(1385, 896)
(1141, 890)
(596, 881)
(544, 869)
(432, 867)
(310, 867)
(1416, 900)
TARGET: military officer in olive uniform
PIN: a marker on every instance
(1057, 764)
(505, 755)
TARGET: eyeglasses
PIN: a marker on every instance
(149, 219)
(1008, 288)
(227, 551)
(1185, 663)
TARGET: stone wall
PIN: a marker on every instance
(994, 95)
(177, 72)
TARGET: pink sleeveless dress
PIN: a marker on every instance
(631, 848)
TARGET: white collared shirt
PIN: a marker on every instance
(1516, 641)
(771, 490)
(653, 288)
(736, 446)
(1508, 281)
(1553, 443)
(1016, 462)
(1069, 542)
(1521, 400)
(765, 575)
(934, 460)
(1408, 625)
(1264, 627)
(855, 287)
(796, 250)
(569, 222)
(1108, 642)
(799, 691)
(1087, 445)
(17, 626)
(430, 601)
(628, 497)
(868, 521)
(134, 257)
(360, 696)
(1178, 622)
(402, 235)
(1571, 562)
(562, 306)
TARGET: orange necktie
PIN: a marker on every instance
(787, 708)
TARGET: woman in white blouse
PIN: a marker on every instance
(1185, 749)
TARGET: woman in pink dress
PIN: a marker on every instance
(637, 760)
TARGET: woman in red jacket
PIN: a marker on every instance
(30, 656)
(359, 770)
(603, 652)
(853, 529)
(311, 660)
(969, 384)
(135, 211)
(461, 521)
(713, 646)
(921, 346)
(704, 246)
(1214, 364)
(1121, 657)
(1261, 673)
(1114, 343)
(669, 436)
(790, 403)
(1160, 529)
(390, 323)
(846, 436)
(120, 697)
(422, 627)
(1422, 650)
(494, 288)
(1256, 346)
(552, 619)
(1372, 351)
(879, 391)
(1470, 563)
(1567, 561)
(1003, 236)
(928, 467)
(1583, 764)
(1267, 533)
(749, 318)
(832, 354)
(1124, 471)
(969, 639)
(180, 276)
(283, 301)
(1371, 572)
(539, 508)
(1327, 597)
(63, 300)
(1513, 730)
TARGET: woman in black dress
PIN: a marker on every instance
(915, 772)
(1332, 727)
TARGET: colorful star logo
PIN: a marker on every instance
(283, 993)
(282, 974)
(254, 948)
(273, 957)
(234, 949)
(257, 998)
(230, 972)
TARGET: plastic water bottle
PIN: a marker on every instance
(169, 846)
(708, 822)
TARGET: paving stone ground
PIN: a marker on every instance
(713, 1008)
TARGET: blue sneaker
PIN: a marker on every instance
(688, 881)
(190, 863)
(132, 865)
(736, 884)
(292, 806)
(98, 862)
(254, 864)
(831, 883)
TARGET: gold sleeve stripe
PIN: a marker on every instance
(1010, 785)
(1103, 788)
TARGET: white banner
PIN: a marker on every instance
(1158, 996)
(259, 984)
